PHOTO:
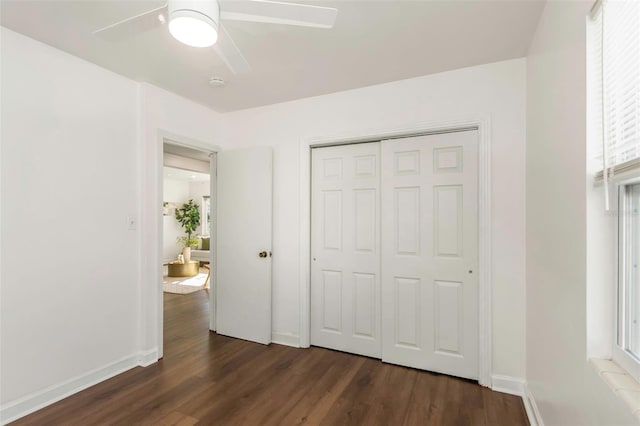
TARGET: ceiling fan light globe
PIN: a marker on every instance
(193, 31)
(194, 22)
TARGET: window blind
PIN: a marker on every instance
(615, 66)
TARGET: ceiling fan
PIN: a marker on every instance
(197, 23)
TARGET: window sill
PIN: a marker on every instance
(623, 384)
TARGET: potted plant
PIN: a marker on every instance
(189, 218)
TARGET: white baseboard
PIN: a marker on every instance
(146, 358)
(518, 386)
(532, 409)
(287, 339)
(20, 407)
(508, 384)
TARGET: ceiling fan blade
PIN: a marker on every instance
(230, 54)
(134, 25)
(279, 13)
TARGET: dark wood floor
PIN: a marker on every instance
(209, 379)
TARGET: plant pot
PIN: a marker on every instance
(186, 252)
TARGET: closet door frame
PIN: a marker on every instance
(482, 125)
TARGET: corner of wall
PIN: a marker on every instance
(518, 386)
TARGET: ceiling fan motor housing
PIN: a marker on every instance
(205, 11)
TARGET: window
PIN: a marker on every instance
(615, 69)
(626, 350)
(206, 215)
(628, 337)
(614, 118)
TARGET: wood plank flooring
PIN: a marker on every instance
(208, 379)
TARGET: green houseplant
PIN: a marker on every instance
(188, 215)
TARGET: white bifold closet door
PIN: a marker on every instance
(345, 235)
(394, 233)
(430, 253)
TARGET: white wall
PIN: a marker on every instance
(495, 90)
(565, 388)
(69, 296)
(163, 113)
(80, 153)
(174, 191)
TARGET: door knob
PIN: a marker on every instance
(262, 254)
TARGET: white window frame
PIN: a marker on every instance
(206, 227)
(620, 336)
(617, 177)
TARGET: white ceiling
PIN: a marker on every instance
(184, 175)
(372, 42)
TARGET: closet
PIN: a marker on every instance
(394, 251)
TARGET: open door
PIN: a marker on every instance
(244, 210)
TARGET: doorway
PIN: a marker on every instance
(186, 211)
(188, 190)
(394, 251)
(240, 254)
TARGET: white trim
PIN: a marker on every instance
(620, 330)
(627, 362)
(528, 408)
(213, 239)
(535, 419)
(304, 248)
(146, 358)
(484, 220)
(156, 276)
(485, 309)
(20, 407)
(140, 127)
(618, 379)
(619, 172)
(287, 339)
(176, 139)
(508, 384)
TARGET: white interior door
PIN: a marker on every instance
(345, 252)
(430, 253)
(243, 249)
